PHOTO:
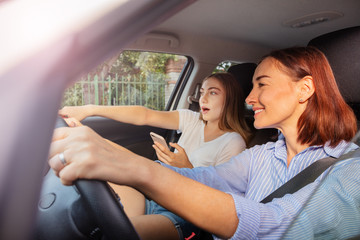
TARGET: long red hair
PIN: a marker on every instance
(327, 117)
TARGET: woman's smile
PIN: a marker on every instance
(257, 111)
(276, 92)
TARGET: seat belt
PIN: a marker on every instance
(308, 175)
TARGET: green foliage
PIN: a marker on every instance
(126, 63)
(153, 62)
(131, 78)
(73, 96)
(143, 63)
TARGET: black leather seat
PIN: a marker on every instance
(243, 73)
(342, 48)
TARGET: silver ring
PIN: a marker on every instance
(62, 158)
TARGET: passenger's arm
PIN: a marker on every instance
(137, 115)
(73, 122)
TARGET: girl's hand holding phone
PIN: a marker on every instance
(179, 159)
(158, 139)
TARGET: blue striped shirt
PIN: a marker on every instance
(333, 211)
(255, 173)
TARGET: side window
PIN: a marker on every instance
(224, 66)
(130, 78)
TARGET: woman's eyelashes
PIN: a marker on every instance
(202, 93)
(261, 84)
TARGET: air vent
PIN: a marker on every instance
(312, 19)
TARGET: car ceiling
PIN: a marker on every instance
(258, 25)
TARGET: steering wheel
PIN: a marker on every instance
(89, 209)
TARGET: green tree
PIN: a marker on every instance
(127, 67)
(143, 63)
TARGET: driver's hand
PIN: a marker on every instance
(87, 155)
(72, 122)
(179, 159)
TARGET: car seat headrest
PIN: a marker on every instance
(342, 49)
(243, 73)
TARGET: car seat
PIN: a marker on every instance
(342, 49)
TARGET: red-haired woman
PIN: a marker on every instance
(294, 90)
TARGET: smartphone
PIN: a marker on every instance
(157, 138)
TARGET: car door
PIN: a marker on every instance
(49, 44)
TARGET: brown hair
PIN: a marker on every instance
(232, 115)
(327, 117)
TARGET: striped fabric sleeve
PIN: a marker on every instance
(333, 211)
(271, 220)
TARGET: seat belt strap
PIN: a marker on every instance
(308, 175)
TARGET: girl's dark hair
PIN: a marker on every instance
(327, 117)
(232, 116)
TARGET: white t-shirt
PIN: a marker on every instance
(202, 153)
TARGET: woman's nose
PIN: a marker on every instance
(250, 99)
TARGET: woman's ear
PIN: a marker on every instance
(306, 88)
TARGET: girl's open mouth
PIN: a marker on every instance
(205, 110)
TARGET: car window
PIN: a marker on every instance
(129, 78)
(224, 66)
